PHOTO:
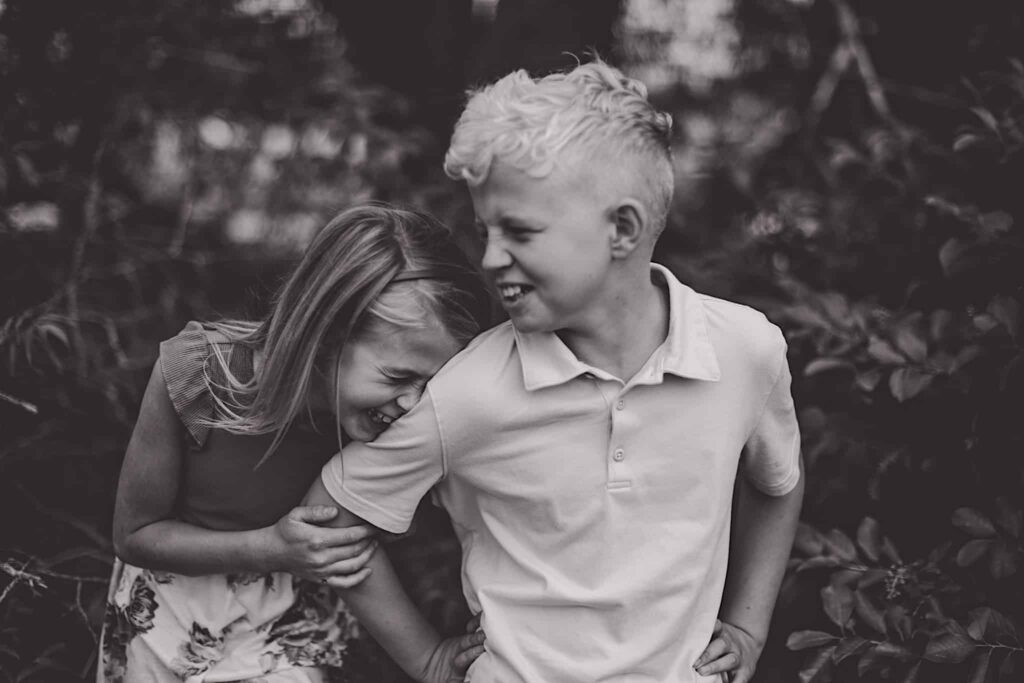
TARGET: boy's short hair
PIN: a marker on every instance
(529, 122)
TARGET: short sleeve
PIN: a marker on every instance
(383, 481)
(182, 361)
(771, 456)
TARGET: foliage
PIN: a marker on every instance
(888, 241)
(157, 163)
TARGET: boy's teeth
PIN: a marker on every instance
(380, 418)
(511, 292)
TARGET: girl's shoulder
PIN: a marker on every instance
(188, 363)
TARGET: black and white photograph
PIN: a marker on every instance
(511, 341)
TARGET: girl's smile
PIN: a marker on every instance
(382, 374)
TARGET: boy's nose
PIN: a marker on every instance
(495, 257)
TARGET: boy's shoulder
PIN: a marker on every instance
(484, 357)
(742, 329)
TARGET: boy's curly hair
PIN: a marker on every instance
(529, 123)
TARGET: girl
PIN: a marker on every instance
(216, 580)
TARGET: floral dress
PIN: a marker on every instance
(164, 627)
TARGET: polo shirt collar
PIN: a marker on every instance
(686, 352)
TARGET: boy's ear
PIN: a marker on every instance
(630, 221)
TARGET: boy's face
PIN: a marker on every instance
(548, 245)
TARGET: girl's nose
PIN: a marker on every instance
(495, 256)
(407, 399)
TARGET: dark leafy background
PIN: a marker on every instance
(852, 168)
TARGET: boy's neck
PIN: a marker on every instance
(622, 337)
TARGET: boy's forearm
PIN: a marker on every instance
(381, 604)
(382, 607)
(763, 531)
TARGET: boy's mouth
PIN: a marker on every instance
(510, 294)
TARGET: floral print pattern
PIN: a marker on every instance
(312, 632)
(252, 624)
(120, 625)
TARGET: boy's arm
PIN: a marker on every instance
(385, 610)
(763, 531)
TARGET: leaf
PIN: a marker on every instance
(973, 523)
(818, 562)
(849, 647)
(808, 539)
(987, 118)
(952, 646)
(868, 612)
(911, 343)
(837, 601)
(967, 355)
(884, 353)
(972, 551)
(1002, 562)
(867, 381)
(1009, 517)
(1007, 669)
(911, 676)
(819, 365)
(996, 222)
(966, 141)
(906, 383)
(819, 670)
(940, 324)
(868, 660)
(840, 545)
(801, 640)
(890, 552)
(899, 621)
(895, 651)
(950, 256)
(980, 669)
(869, 538)
(1007, 311)
(872, 577)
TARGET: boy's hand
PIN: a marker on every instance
(336, 557)
(451, 659)
(732, 651)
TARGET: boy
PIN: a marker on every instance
(587, 450)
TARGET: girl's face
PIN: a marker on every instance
(382, 373)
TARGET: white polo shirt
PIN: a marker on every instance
(593, 513)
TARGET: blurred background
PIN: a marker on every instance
(854, 168)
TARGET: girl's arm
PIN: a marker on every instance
(382, 606)
(146, 534)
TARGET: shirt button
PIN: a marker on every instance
(619, 455)
(620, 405)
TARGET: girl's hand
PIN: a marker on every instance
(451, 659)
(336, 557)
(732, 651)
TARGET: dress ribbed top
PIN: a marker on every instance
(221, 487)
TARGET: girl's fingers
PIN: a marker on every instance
(718, 627)
(742, 676)
(350, 565)
(349, 580)
(726, 662)
(347, 535)
(473, 624)
(347, 552)
(715, 649)
(462, 660)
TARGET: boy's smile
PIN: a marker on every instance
(547, 245)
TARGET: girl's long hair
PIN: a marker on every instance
(341, 285)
